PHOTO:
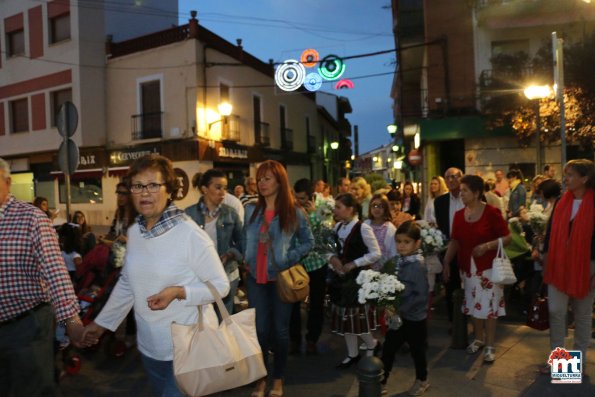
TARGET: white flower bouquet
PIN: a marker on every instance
(382, 289)
(432, 239)
(538, 220)
(321, 223)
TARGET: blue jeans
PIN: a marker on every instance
(161, 376)
(272, 323)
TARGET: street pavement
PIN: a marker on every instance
(520, 351)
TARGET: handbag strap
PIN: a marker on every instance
(501, 254)
(222, 310)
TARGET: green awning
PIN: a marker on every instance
(459, 128)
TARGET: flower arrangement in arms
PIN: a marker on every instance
(383, 290)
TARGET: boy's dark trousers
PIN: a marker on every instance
(415, 333)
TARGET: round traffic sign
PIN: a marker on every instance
(68, 156)
(67, 119)
(414, 157)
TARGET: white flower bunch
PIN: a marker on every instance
(323, 214)
(432, 239)
(381, 288)
(537, 219)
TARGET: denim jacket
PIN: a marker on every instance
(229, 233)
(517, 199)
(287, 248)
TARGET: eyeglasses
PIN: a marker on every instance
(456, 176)
(122, 193)
(377, 206)
(152, 187)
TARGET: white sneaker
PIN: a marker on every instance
(419, 387)
(489, 355)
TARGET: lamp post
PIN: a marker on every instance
(224, 109)
(536, 93)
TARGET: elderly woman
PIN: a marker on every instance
(362, 192)
(277, 235)
(168, 260)
(474, 239)
(570, 263)
(222, 224)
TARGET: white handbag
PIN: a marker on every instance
(502, 272)
(210, 359)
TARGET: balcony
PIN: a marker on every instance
(502, 79)
(311, 144)
(286, 139)
(231, 129)
(147, 126)
(261, 133)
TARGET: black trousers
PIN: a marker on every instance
(453, 284)
(315, 312)
(27, 355)
(415, 333)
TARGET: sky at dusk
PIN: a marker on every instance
(282, 29)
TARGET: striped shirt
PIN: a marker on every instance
(32, 270)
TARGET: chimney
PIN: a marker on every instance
(193, 25)
(240, 48)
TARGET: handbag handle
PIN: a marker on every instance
(500, 253)
(222, 310)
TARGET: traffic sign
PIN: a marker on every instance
(68, 156)
(414, 157)
(67, 119)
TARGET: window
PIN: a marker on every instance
(59, 28)
(223, 93)
(19, 115)
(58, 99)
(16, 42)
(151, 114)
(83, 190)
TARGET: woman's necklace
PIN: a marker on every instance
(471, 214)
(206, 212)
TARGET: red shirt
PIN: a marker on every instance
(489, 227)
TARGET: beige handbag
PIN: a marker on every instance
(209, 360)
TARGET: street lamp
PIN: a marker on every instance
(334, 145)
(225, 109)
(536, 93)
(392, 129)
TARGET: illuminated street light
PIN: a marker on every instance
(392, 129)
(416, 140)
(225, 109)
(395, 148)
(334, 145)
(538, 92)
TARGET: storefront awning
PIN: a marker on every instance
(459, 128)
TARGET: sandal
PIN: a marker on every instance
(475, 346)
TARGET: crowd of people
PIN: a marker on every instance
(240, 241)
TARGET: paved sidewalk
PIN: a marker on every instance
(520, 350)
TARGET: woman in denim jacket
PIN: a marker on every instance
(222, 224)
(277, 235)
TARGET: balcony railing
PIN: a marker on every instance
(147, 125)
(504, 78)
(231, 129)
(311, 144)
(286, 138)
(261, 134)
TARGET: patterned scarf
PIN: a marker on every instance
(169, 218)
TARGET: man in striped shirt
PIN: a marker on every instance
(35, 291)
(251, 194)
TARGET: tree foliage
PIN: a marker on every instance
(513, 109)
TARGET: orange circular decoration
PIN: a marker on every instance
(309, 58)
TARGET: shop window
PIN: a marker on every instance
(58, 99)
(16, 42)
(59, 28)
(22, 186)
(19, 115)
(83, 190)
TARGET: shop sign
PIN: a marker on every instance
(184, 182)
(232, 153)
(124, 157)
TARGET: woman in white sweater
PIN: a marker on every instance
(168, 260)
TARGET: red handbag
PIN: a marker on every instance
(538, 316)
